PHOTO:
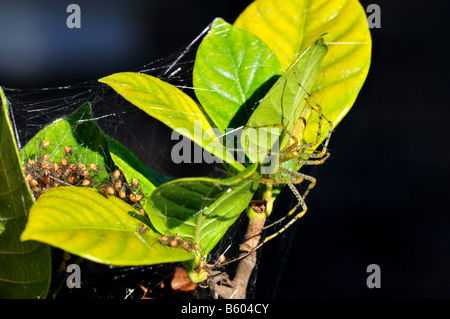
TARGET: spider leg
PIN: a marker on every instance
(298, 178)
(292, 221)
(300, 202)
(300, 146)
(295, 140)
(301, 154)
(314, 162)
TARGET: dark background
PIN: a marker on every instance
(381, 198)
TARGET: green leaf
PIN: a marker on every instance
(126, 160)
(78, 131)
(201, 209)
(289, 26)
(86, 223)
(171, 106)
(233, 70)
(283, 104)
(25, 268)
(131, 167)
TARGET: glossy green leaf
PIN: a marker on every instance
(201, 209)
(25, 268)
(78, 131)
(172, 107)
(283, 104)
(289, 26)
(102, 229)
(233, 70)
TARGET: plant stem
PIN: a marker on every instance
(246, 265)
(257, 214)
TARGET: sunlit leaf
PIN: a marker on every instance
(78, 131)
(289, 26)
(284, 104)
(25, 268)
(131, 167)
(201, 209)
(172, 107)
(233, 70)
(102, 229)
(126, 160)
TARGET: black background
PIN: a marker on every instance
(381, 198)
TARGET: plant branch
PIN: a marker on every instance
(237, 288)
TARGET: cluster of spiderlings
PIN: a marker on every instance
(117, 185)
(43, 175)
(176, 241)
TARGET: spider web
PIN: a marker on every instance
(33, 109)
